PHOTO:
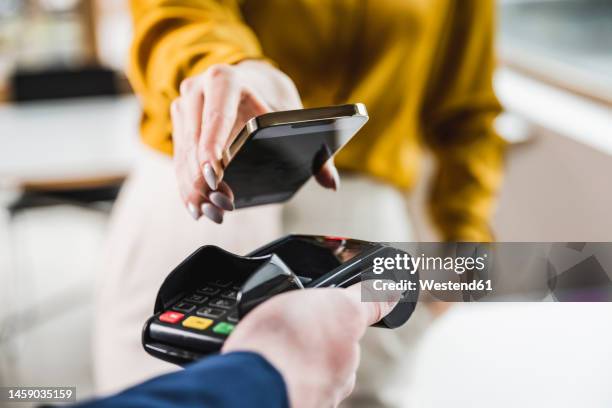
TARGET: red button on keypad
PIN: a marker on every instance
(171, 317)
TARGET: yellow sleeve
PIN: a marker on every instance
(175, 39)
(458, 117)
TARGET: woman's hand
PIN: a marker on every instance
(211, 109)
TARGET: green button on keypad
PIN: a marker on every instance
(223, 328)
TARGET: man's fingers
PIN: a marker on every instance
(220, 111)
(328, 176)
(372, 312)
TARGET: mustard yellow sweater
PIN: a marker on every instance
(422, 67)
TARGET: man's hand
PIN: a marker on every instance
(312, 338)
(212, 108)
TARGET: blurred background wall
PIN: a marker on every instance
(65, 149)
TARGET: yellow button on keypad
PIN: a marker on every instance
(197, 323)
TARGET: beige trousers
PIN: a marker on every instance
(151, 232)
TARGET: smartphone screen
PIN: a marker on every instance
(276, 161)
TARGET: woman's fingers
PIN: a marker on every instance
(214, 106)
(213, 213)
(348, 387)
(185, 162)
(219, 116)
(223, 197)
(192, 104)
(328, 176)
(218, 202)
(194, 180)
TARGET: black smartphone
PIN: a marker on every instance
(276, 153)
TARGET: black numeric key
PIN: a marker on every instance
(184, 307)
(222, 303)
(229, 294)
(196, 298)
(210, 312)
(233, 317)
(208, 291)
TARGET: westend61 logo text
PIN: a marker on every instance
(459, 264)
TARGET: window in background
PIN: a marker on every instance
(49, 32)
(36, 35)
(564, 42)
(9, 30)
(114, 33)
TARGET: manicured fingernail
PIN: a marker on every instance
(221, 200)
(212, 212)
(210, 176)
(193, 210)
(335, 178)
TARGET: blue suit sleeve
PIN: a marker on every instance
(239, 379)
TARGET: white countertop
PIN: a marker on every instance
(68, 140)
